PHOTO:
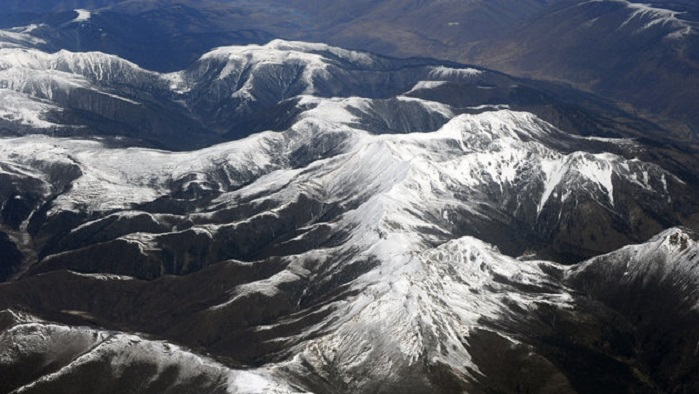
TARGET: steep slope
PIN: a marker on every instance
(68, 93)
(40, 357)
(654, 287)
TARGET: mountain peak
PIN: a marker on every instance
(676, 240)
(279, 50)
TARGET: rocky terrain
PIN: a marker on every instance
(297, 217)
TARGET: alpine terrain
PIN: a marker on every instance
(250, 214)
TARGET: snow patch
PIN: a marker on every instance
(21, 108)
(426, 85)
(451, 73)
(103, 277)
(83, 15)
(655, 16)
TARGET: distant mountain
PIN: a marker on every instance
(166, 39)
(298, 217)
(640, 54)
(230, 93)
(644, 55)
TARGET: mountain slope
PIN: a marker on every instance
(598, 44)
(653, 287)
(41, 357)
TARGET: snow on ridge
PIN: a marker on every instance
(569, 171)
(426, 85)
(446, 73)
(279, 50)
(94, 65)
(432, 106)
(682, 33)
(176, 82)
(673, 253)
(335, 110)
(676, 238)
(23, 57)
(597, 168)
(19, 37)
(654, 15)
(345, 54)
(313, 61)
(485, 127)
(103, 277)
(97, 65)
(238, 58)
(117, 178)
(344, 110)
(426, 304)
(119, 350)
(39, 77)
(492, 107)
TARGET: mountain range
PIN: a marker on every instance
(284, 216)
(642, 55)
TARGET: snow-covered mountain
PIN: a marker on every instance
(44, 357)
(334, 221)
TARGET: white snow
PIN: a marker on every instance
(267, 287)
(681, 33)
(312, 60)
(652, 15)
(672, 255)
(589, 172)
(334, 110)
(598, 168)
(358, 57)
(38, 78)
(176, 82)
(432, 106)
(426, 85)
(83, 15)
(424, 305)
(431, 286)
(103, 277)
(21, 108)
(490, 106)
(20, 37)
(77, 348)
(451, 73)
(553, 171)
